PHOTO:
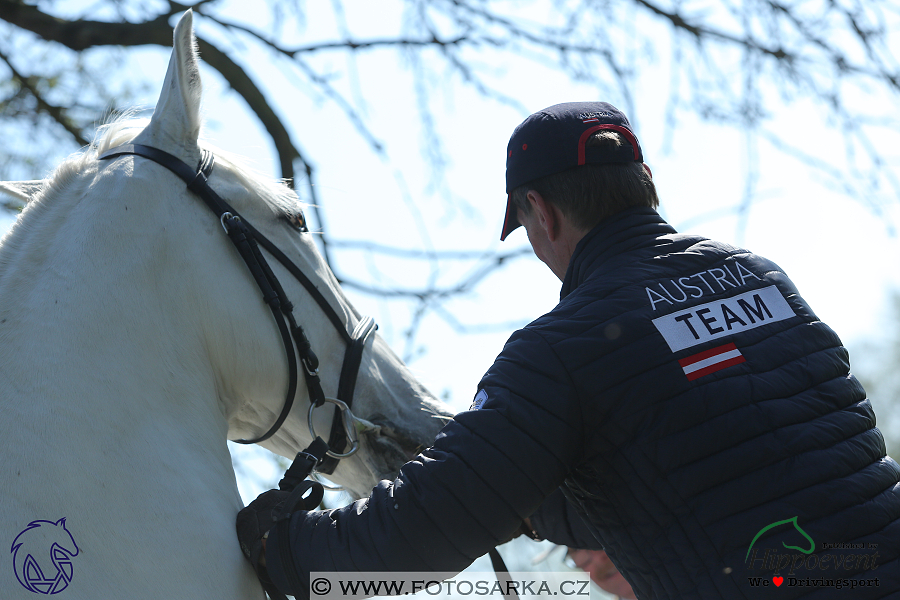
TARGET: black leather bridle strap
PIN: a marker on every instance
(337, 439)
(246, 240)
(261, 272)
(300, 276)
(197, 183)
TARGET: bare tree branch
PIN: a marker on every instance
(59, 114)
(82, 34)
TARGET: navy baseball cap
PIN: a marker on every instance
(553, 140)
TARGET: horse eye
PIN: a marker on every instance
(297, 221)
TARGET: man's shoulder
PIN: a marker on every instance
(674, 256)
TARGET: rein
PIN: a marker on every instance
(247, 240)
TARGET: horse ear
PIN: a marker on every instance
(175, 124)
(24, 191)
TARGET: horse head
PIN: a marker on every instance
(396, 414)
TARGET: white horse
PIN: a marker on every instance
(133, 343)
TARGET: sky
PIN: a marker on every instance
(841, 255)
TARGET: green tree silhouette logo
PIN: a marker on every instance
(793, 520)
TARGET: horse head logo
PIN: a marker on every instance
(793, 521)
(42, 556)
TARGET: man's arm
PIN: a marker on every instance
(487, 471)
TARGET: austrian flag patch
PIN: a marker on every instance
(710, 361)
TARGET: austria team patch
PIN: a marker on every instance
(698, 325)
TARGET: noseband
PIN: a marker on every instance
(247, 240)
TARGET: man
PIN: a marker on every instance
(682, 408)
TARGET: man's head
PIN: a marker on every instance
(582, 158)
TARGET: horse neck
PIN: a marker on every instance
(83, 271)
(110, 409)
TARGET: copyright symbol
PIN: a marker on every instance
(320, 586)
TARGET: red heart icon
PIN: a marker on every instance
(778, 581)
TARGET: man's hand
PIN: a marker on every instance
(255, 520)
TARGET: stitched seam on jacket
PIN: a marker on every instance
(413, 548)
(660, 563)
(830, 478)
(543, 407)
(576, 393)
(768, 432)
(531, 480)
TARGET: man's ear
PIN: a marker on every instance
(548, 215)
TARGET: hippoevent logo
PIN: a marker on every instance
(805, 567)
(793, 521)
(42, 556)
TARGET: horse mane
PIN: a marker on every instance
(123, 128)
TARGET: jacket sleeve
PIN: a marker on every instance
(557, 520)
(487, 470)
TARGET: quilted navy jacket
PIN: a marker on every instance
(699, 419)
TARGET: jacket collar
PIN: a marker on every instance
(628, 230)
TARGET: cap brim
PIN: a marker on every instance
(511, 221)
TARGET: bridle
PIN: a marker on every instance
(247, 241)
